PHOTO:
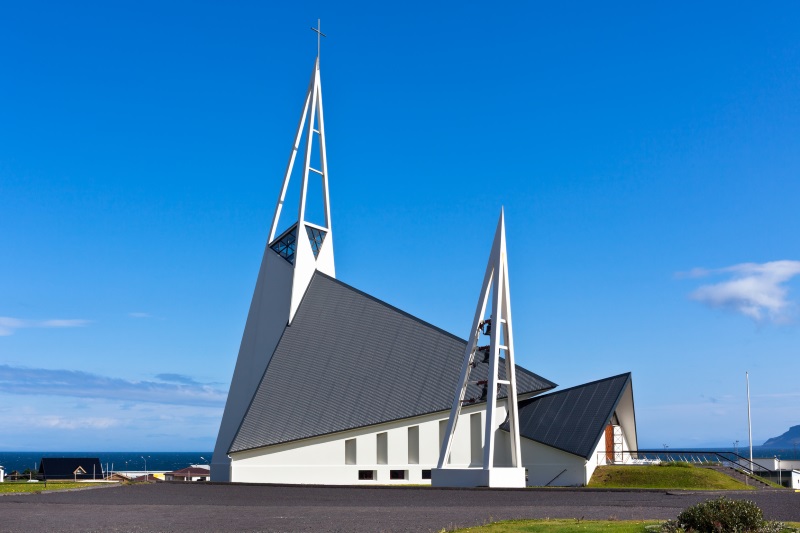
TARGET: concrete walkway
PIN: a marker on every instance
(218, 507)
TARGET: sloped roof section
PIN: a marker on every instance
(349, 360)
(573, 419)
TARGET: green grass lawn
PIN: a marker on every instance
(562, 526)
(665, 476)
(23, 486)
(584, 526)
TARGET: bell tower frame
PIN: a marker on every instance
(498, 328)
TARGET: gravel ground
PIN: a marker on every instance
(219, 507)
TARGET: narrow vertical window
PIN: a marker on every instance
(383, 448)
(475, 439)
(442, 435)
(350, 452)
(413, 445)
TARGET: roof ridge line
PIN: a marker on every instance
(580, 386)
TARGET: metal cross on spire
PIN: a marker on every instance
(319, 33)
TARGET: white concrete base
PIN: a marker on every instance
(499, 477)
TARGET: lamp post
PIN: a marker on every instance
(749, 422)
(145, 469)
(780, 480)
(736, 448)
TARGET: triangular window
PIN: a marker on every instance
(286, 244)
(315, 237)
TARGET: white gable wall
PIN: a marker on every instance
(627, 419)
(544, 463)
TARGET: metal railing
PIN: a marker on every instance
(708, 458)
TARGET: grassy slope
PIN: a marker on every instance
(667, 476)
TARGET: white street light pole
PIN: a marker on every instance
(146, 477)
(749, 423)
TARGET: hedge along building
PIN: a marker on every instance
(333, 386)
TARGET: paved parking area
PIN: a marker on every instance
(218, 507)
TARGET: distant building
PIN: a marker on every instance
(775, 463)
(75, 468)
(191, 473)
(148, 478)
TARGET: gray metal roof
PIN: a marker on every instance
(349, 360)
(573, 419)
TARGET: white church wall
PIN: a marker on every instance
(398, 446)
(598, 457)
(544, 464)
(627, 418)
(323, 460)
(502, 447)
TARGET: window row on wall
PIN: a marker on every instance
(351, 455)
(382, 447)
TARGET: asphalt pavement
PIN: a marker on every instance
(219, 507)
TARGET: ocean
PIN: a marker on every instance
(121, 461)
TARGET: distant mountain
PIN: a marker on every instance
(787, 440)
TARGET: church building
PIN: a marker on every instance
(334, 386)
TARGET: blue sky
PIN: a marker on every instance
(648, 159)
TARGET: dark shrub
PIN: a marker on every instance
(722, 515)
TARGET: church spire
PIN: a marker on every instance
(305, 245)
(290, 260)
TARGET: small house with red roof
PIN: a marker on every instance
(191, 473)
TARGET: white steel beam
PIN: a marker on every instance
(495, 282)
